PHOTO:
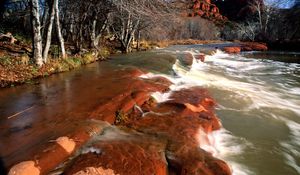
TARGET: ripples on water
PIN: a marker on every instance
(259, 105)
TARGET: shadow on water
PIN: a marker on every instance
(2, 167)
(286, 57)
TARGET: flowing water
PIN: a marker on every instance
(259, 105)
(258, 96)
(258, 101)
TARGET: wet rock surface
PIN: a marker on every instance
(150, 137)
(164, 140)
(123, 152)
(245, 46)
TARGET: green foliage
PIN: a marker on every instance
(104, 52)
(72, 62)
(34, 70)
(88, 58)
(63, 66)
(6, 61)
(22, 38)
(54, 50)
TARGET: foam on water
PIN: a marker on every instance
(260, 95)
(199, 75)
(161, 97)
(293, 146)
(222, 144)
(251, 80)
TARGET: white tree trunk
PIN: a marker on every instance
(93, 33)
(58, 28)
(49, 34)
(36, 28)
(96, 37)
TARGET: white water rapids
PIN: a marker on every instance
(259, 105)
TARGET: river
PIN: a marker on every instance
(258, 96)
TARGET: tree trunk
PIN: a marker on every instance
(138, 40)
(45, 17)
(96, 37)
(36, 29)
(93, 33)
(58, 29)
(49, 33)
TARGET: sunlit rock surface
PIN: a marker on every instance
(150, 137)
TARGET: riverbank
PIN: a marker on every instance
(228, 46)
(16, 67)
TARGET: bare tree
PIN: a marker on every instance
(269, 18)
(58, 29)
(131, 14)
(36, 28)
(85, 22)
(49, 32)
(247, 30)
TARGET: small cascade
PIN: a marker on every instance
(262, 93)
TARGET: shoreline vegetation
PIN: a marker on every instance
(17, 68)
(38, 39)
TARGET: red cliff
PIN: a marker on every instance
(205, 9)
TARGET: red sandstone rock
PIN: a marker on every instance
(136, 91)
(184, 153)
(246, 46)
(175, 121)
(200, 57)
(254, 46)
(205, 9)
(123, 153)
(234, 49)
(61, 149)
(172, 127)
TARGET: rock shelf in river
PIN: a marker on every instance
(133, 134)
